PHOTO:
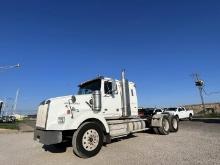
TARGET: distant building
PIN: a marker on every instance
(210, 107)
(32, 116)
(19, 117)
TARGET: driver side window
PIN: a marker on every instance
(180, 109)
(108, 87)
(158, 110)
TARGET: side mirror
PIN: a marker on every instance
(114, 86)
(73, 98)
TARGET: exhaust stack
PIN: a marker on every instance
(126, 109)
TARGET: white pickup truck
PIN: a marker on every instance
(181, 112)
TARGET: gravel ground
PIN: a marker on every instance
(197, 142)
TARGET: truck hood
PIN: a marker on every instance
(51, 109)
(81, 102)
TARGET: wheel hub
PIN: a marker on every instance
(166, 125)
(90, 140)
(175, 123)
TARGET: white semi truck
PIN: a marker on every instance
(103, 109)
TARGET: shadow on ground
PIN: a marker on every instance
(62, 147)
(57, 148)
(216, 121)
(123, 138)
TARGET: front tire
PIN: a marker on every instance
(87, 140)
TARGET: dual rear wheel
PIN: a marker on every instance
(169, 124)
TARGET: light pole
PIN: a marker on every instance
(15, 103)
(10, 67)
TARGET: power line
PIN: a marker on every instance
(210, 93)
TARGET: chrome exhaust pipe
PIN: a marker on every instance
(126, 109)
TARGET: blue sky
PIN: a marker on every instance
(61, 43)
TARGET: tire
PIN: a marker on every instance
(174, 123)
(165, 129)
(155, 129)
(87, 140)
(190, 116)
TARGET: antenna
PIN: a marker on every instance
(200, 84)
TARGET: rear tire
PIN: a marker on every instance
(155, 129)
(174, 123)
(165, 129)
(87, 140)
(190, 116)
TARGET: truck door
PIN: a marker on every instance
(133, 100)
(185, 113)
(180, 113)
(111, 101)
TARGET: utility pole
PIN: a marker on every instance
(1, 107)
(200, 84)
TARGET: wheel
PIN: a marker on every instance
(87, 140)
(155, 129)
(190, 116)
(174, 123)
(165, 129)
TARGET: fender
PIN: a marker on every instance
(156, 120)
(89, 115)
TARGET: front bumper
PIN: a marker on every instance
(48, 137)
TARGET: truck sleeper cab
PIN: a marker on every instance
(102, 110)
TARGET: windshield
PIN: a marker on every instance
(171, 109)
(149, 110)
(89, 87)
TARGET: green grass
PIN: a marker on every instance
(9, 126)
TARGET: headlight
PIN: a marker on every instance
(61, 120)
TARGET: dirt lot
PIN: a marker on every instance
(197, 142)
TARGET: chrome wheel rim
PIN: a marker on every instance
(166, 125)
(90, 140)
(175, 124)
